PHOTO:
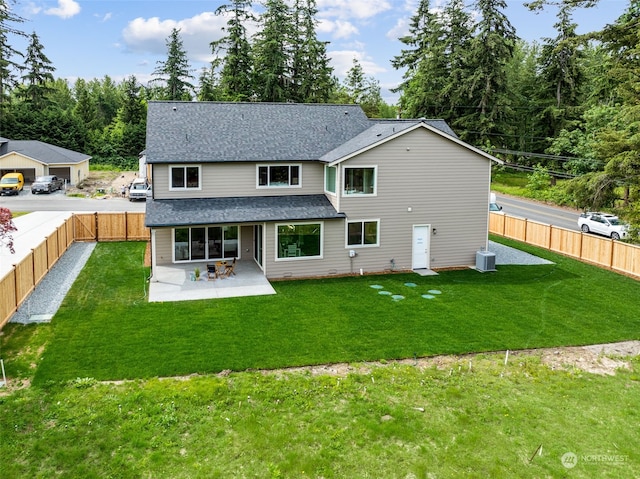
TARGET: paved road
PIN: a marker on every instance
(551, 215)
(57, 201)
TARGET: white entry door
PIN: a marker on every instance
(420, 256)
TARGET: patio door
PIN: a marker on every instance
(257, 244)
(202, 243)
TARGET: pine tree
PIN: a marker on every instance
(485, 81)
(311, 73)
(434, 62)
(174, 73)
(272, 53)
(236, 75)
(38, 74)
(365, 91)
(8, 66)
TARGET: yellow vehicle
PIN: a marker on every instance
(11, 184)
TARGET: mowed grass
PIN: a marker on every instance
(472, 418)
(456, 417)
(107, 330)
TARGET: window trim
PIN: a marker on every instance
(335, 185)
(185, 188)
(299, 258)
(189, 241)
(362, 222)
(269, 165)
(359, 167)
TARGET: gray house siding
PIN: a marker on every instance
(445, 186)
(335, 258)
(163, 244)
(237, 179)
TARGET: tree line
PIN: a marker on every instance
(568, 104)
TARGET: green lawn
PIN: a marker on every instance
(472, 417)
(106, 329)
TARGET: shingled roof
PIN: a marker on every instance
(254, 132)
(246, 209)
(42, 152)
(218, 132)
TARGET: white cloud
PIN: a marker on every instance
(342, 62)
(346, 9)
(65, 9)
(400, 29)
(149, 35)
(338, 28)
(31, 9)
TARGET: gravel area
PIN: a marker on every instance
(507, 255)
(46, 298)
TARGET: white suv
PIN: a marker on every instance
(604, 224)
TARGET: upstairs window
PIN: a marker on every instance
(185, 177)
(278, 176)
(330, 179)
(360, 181)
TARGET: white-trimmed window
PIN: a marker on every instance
(279, 176)
(363, 233)
(205, 242)
(360, 180)
(185, 177)
(299, 240)
(330, 178)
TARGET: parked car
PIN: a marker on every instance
(493, 206)
(46, 184)
(139, 189)
(11, 184)
(603, 223)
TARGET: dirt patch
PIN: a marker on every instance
(105, 184)
(603, 359)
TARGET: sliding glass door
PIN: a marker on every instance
(204, 243)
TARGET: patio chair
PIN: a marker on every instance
(221, 268)
(229, 269)
(211, 272)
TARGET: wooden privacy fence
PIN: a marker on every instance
(618, 256)
(16, 285)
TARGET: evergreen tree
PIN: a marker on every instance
(236, 75)
(362, 90)
(425, 72)
(174, 73)
(133, 109)
(8, 66)
(85, 108)
(209, 84)
(272, 53)
(311, 74)
(485, 81)
(38, 75)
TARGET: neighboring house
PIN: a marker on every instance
(312, 189)
(35, 158)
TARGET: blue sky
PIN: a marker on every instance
(93, 38)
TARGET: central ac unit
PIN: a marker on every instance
(485, 261)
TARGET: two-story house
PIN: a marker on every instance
(312, 189)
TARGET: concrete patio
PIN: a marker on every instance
(173, 283)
